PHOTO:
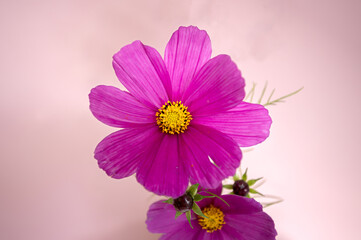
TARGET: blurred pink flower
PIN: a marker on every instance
(242, 219)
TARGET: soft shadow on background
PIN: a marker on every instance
(54, 52)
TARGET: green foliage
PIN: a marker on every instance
(217, 197)
(192, 190)
(273, 102)
(198, 211)
(235, 177)
(178, 213)
(269, 101)
(253, 181)
(189, 216)
(254, 191)
(199, 197)
(170, 201)
(271, 203)
(228, 186)
(244, 176)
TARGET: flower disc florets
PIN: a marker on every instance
(173, 117)
(214, 221)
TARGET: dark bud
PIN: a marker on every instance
(183, 203)
(240, 188)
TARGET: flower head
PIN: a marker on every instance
(183, 117)
(242, 219)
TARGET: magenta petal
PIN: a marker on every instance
(210, 155)
(162, 170)
(183, 230)
(161, 219)
(119, 153)
(248, 124)
(242, 205)
(142, 71)
(118, 108)
(181, 234)
(187, 51)
(161, 69)
(257, 226)
(217, 190)
(245, 218)
(217, 235)
(217, 87)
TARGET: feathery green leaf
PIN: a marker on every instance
(281, 98)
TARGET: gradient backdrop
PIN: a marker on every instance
(53, 52)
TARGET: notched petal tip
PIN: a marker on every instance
(191, 28)
(134, 44)
(186, 52)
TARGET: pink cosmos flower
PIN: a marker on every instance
(183, 118)
(243, 219)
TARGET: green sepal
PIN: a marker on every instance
(192, 190)
(218, 197)
(251, 190)
(272, 203)
(170, 201)
(199, 197)
(248, 196)
(198, 211)
(244, 176)
(228, 186)
(178, 213)
(235, 177)
(253, 181)
(188, 214)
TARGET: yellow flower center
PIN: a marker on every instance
(214, 221)
(173, 117)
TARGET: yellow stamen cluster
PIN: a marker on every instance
(214, 221)
(173, 117)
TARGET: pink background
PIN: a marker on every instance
(53, 53)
